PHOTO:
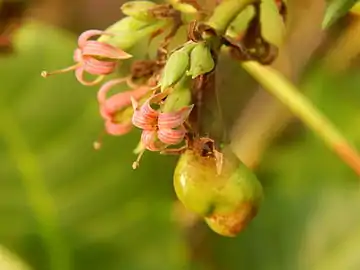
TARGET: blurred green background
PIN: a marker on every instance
(65, 206)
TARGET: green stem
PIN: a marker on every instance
(299, 105)
(41, 202)
(226, 12)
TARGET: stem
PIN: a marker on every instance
(226, 12)
(299, 105)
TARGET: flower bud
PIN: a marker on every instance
(139, 10)
(128, 31)
(201, 60)
(227, 199)
(179, 97)
(272, 24)
(175, 68)
(183, 7)
(241, 23)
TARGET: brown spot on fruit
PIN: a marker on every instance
(231, 224)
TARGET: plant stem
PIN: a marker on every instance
(300, 106)
(225, 13)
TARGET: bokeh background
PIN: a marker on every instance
(64, 205)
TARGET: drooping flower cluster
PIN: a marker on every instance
(94, 57)
(121, 111)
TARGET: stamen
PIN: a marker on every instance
(79, 74)
(136, 163)
(46, 74)
(98, 143)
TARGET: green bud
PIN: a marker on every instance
(139, 10)
(228, 199)
(183, 7)
(179, 97)
(176, 66)
(201, 60)
(240, 24)
(272, 24)
(128, 31)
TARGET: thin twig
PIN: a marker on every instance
(300, 106)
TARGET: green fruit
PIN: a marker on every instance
(227, 200)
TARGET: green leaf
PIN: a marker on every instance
(272, 24)
(335, 10)
(64, 205)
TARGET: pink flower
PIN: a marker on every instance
(94, 57)
(111, 107)
(160, 129)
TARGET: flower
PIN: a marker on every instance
(116, 110)
(160, 129)
(94, 57)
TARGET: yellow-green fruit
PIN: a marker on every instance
(227, 201)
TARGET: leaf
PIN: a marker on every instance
(335, 10)
(62, 204)
(272, 24)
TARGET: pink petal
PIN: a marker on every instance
(106, 87)
(109, 106)
(174, 119)
(145, 117)
(150, 141)
(140, 120)
(97, 67)
(171, 136)
(96, 48)
(117, 129)
(78, 55)
(79, 74)
(85, 36)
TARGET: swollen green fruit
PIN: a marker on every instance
(218, 187)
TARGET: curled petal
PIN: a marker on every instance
(78, 55)
(148, 112)
(106, 87)
(98, 67)
(79, 73)
(150, 141)
(145, 117)
(108, 106)
(174, 119)
(144, 122)
(117, 129)
(96, 48)
(171, 136)
(85, 36)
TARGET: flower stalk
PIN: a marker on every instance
(300, 106)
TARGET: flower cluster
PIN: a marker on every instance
(121, 111)
(160, 129)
